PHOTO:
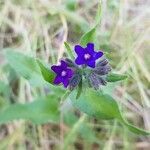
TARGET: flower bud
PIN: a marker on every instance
(94, 80)
(102, 70)
(102, 81)
(70, 63)
(102, 62)
(75, 80)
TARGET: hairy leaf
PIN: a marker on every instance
(69, 50)
(88, 37)
(42, 110)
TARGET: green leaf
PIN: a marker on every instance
(79, 90)
(47, 74)
(99, 13)
(42, 110)
(69, 50)
(96, 104)
(25, 66)
(112, 77)
(134, 129)
(102, 106)
(88, 37)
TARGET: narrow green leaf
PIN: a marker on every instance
(88, 37)
(115, 77)
(99, 13)
(42, 110)
(133, 128)
(79, 91)
(69, 50)
(47, 74)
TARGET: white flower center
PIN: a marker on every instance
(87, 56)
(63, 73)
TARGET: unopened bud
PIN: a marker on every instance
(70, 63)
(94, 80)
(75, 80)
(102, 62)
(102, 70)
(102, 81)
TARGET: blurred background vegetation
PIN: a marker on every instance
(38, 28)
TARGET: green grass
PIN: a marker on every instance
(39, 29)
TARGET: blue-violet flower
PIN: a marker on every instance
(87, 56)
(63, 73)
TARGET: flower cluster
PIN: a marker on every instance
(89, 65)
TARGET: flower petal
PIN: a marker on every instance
(56, 69)
(90, 49)
(79, 50)
(66, 83)
(98, 54)
(57, 80)
(91, 63)
(90, 46)
(80, 61)
(63, 64)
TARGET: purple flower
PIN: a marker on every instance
(63, 73)
(87, 56)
